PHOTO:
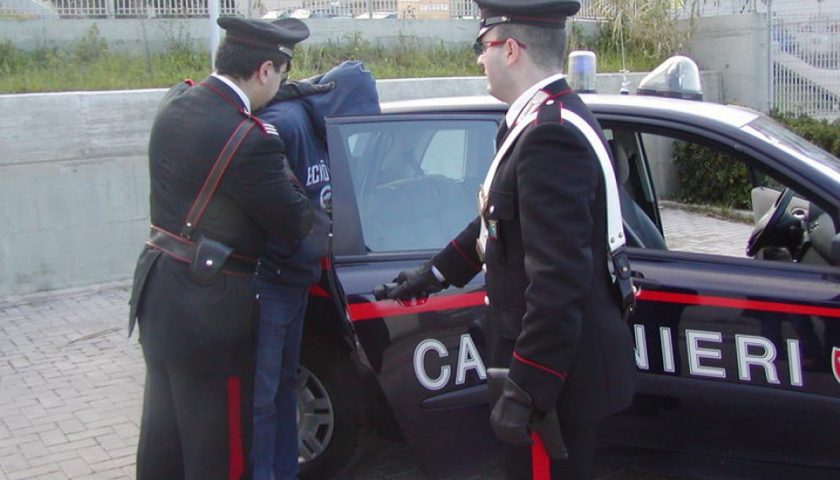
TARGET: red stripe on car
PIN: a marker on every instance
(391, 308)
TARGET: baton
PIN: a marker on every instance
(546, 437)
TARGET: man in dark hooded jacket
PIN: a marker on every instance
(289, 267)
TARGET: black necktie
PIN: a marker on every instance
(500, 134)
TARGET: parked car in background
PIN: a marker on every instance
(738, 355)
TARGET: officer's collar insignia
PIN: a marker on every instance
(532, 106)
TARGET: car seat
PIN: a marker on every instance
(638, 227)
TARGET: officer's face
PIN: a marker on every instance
(491, 59)
(271, 80)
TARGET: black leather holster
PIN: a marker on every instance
(207, 257)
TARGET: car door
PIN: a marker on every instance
(726, 342)
(404, 186)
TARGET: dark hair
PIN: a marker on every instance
(239, 61)
(547, 46)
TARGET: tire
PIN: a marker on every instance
(331, 423)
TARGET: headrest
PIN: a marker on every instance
(620, 162)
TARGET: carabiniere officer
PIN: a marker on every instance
(555, 315)
(219, 185)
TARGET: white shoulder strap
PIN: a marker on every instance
(615, 229)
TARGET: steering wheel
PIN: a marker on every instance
(768, 225)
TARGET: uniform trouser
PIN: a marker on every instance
(580, 437)
(196, 422)
(280, 328)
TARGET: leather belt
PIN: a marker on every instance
(183, 250)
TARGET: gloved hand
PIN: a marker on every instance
(292, 89)
(417, 283)
(512, 414)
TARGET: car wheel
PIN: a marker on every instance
(330, 413)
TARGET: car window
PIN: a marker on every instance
(710, 199)
(415, 181)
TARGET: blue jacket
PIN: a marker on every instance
(302, 127)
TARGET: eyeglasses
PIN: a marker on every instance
(480, 47)
(284, 76)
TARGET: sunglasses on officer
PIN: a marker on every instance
(284, 75)
(480, 47)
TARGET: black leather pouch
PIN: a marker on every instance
(210, 256)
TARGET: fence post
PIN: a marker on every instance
(771, 78)
(110, 8)
(213, 11)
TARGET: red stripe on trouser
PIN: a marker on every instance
(236, 460)
(540, 463)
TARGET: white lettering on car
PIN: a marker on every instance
(696, 352)
(468, 359)
(641, 348)
(419, 370)
(667, 350)
(765, 358)
(751, 352)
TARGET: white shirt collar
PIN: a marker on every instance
(518, 104)
(245, 100)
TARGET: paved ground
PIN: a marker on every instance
(72, 382)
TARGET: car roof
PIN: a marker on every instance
(637, 104)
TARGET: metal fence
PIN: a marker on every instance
(805, 57)
(299, 8)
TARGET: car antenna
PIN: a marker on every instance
(625, 84)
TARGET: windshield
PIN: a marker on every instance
(774, 133)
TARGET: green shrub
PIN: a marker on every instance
(707, 177)
(822, 133)
(710, 178)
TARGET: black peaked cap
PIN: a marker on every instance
(539, 13)
(279, 35)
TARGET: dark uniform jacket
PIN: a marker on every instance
(547, 279)
(178, 314)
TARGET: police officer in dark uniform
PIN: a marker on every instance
(219, 186)
(555, 312)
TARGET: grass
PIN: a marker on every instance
(89, 65)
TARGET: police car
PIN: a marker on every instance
(738, 349)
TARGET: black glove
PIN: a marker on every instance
(302, 88)
(512, 415)
(417, 283)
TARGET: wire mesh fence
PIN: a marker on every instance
(805, 57)
(418, 9)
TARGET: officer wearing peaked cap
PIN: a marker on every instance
(555, 314)
(219, 185)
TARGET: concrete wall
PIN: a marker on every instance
(737, 47)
